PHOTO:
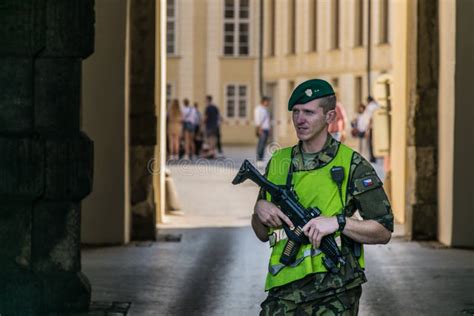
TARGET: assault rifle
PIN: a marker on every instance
(287, 201)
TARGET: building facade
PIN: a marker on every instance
(325, 39)
(212, 49)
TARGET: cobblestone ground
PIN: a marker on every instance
(219, 267)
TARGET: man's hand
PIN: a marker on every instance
(270, 215)
(319, 227)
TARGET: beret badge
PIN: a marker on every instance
(309, 92)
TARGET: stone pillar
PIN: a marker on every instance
(422, 138)
(463, 171)
(403, 94)
(160, 106)
(143, 130)
(106, 211)
(46, 162)
(455, 116)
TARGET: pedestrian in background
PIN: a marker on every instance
(355, 130)
(337, 128)
(364, 124)
(218, 137)
(211, 123)
(372, 105)
(198, 135)
(190, 117)
(175, 121)
(262, 126)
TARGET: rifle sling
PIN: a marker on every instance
(289, 177)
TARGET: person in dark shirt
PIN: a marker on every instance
(211, 123)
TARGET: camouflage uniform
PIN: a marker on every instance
(345, 304)
(328, 293)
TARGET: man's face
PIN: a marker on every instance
(309, 120)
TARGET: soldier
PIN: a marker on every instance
(306, 287)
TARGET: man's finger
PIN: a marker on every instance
(313, 233)
(266, 220)
(285, 218)
(277, 220)
(306, 232)
(316, 237)
(306, 229)
(318, 240)
(271, 222)
(262, 218)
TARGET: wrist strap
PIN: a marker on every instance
(341, 220)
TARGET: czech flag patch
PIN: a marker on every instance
(367, 182)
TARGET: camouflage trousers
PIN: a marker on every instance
(345, 304)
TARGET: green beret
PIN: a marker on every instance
(308, 91)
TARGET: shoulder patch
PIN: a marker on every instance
(366, 183)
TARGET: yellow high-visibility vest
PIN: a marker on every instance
(314, 188)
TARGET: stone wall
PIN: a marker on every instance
(46, 162)
(143, 128)
(422, 138)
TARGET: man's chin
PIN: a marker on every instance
(302, 137)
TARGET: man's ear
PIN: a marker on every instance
(330, 116)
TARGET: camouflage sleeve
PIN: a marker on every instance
(367, 194)
(261, 192)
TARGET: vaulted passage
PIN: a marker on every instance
(84, 87)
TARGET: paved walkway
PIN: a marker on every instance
(219, 267)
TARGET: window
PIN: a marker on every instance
(169, 93)
(272, 35)
(236, 101)
(357, 93)
(384, 22)
(335, 24)
(236, 27)
(358, 23)
(171, 27)
(313, 26)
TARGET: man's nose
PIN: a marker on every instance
(299, 118)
